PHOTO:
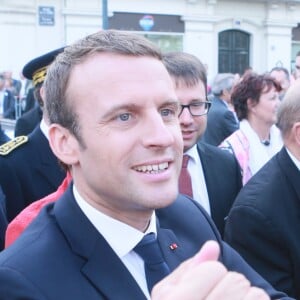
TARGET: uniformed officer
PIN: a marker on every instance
(29, 169)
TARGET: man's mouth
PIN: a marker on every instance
(152, 169)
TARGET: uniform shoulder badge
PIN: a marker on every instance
(13, 144)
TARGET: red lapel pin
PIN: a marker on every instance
(173, 246)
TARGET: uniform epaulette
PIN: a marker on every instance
(13, 144)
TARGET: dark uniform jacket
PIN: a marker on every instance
(61, 255)
(264, 223)
(28, 121)
(29, 172)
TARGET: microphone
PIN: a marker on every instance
(265, 142)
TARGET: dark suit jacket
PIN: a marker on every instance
(28, 121)
(8, 105)
(223, 181)
(264, 223)
(221, 123)
(29, 173)
(61, 255)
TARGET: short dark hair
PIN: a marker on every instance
(186, 68)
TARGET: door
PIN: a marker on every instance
(233, 51)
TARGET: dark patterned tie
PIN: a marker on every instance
(185, 182)
(155, 265)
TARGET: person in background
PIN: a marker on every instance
(85, 228)
(7, 101)
(208, 166)
(282, 76)
(263, 224)
(221, 120)
(4, 138)
(29, 169)
(14, 85)
(36, 72)
(256, 101)
(297, 66)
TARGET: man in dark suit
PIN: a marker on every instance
(7, 101)
(221, 121)
(264, 222)
(83, 246)
(29, 169)
(216, 176)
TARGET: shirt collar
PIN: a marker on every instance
(113, 230)
(293, 158)
(44, 128)
(193, 153)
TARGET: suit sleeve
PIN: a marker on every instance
(14, 286)
(257, 239)
(234, 262)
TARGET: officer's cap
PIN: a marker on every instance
(36, 69)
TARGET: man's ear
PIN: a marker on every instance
(63, 144)
(296, 129)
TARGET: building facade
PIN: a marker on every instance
(227, 35)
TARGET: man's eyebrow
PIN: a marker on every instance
(115, 108)
(171, 102)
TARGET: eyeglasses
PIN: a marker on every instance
(197, 108)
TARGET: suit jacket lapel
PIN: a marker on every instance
(207, 162)
(109, 275)
(100, 265)
(171, 248)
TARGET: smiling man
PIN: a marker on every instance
(123, 146)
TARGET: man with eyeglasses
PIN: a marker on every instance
(215, 174)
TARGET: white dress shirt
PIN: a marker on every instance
(198, 181)
(44, 128)
(121, 237)
(293, 158)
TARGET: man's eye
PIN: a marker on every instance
(167, 112)
(198, 104)
(124, 117)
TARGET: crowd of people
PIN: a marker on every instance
(130, 181)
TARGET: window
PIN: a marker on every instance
(233, 51)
